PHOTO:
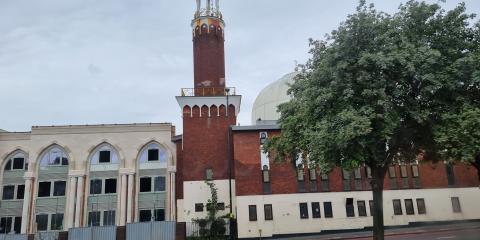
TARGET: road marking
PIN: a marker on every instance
(448, 237)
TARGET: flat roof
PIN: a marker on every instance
(256, 127)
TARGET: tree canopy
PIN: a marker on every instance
(384, 87)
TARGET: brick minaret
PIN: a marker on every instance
(208, 47)
(205, 142)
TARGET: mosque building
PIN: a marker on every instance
(54, 178)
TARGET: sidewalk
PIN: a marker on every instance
(391, 232)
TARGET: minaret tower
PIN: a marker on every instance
(208, 46)
(208, 111)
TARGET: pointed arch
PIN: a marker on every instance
(104, 154)
(154, 152)
(9, 160)
(53, 155)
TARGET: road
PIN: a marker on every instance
(458, 231)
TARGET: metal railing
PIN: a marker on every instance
(208, 91)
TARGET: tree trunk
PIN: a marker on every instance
(378, 175)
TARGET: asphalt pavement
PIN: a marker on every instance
(455, 231)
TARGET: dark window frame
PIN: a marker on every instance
(409, 208)
(42, 192)
(349, 207)
(252, 213)
(104, 156)
(145, 184)
(316, 213)
(421, 207)
(397, 207)
(110, 185)
(198, 207)
(456, 206)
(153, 155)
(303, 207)
(268, 212)
(328, 209)
(362, 208)
(10, 190)
(59, 188)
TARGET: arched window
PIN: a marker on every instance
(17, 161)
(153, 153)
(55, 156)
(105, 154)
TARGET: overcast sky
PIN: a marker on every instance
(124, 61)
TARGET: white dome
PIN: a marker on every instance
(267, 101)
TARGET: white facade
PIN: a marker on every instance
(287, 220)
(81, 145)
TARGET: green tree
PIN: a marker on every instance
(379, 89)
(212, 226)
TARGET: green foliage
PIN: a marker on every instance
(385, 87)
(212, 227)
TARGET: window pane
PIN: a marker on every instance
(350, 208)
(324, 176)
(403, 171)
(17, 225)
(300, 175)
(316, 210)
(252, 212)
(159, 214)
(409, 207)
(5, 225)
(18, 163)
(456, 205)
(421, 206)
(96, 186)
(346, 174)
(362, 210)
(94, 219)
(8, 192)
(267, 208)
(357, 173)
(303, 210)
(42, 222)
(145, 215)
(20, 191)
(221, 206)
(198, 207)
(450, 175)
(209, 174)
(57, 222)
(44, 189)
(266, 176)
(313, 174)
(109, 218)
(145, 184)
(104, 157)
(152, 154)
(368, 172)
(391, 172)
(397, 207)
(64, 161)
(8, 166)
(111, 185)
(415, 170)
(59, 188)
(327, 209)
(159, 184)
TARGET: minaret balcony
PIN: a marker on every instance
(208, 91)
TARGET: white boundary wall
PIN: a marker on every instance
(286, 211)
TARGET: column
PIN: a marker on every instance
(71, 201)
(123, 199)
(130, 198)
(26, 202)
(78, 205)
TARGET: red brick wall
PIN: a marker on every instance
(208, 56)
(283, 178)
(205, 143)
(179, 173)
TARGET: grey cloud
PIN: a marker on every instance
(121, 61)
